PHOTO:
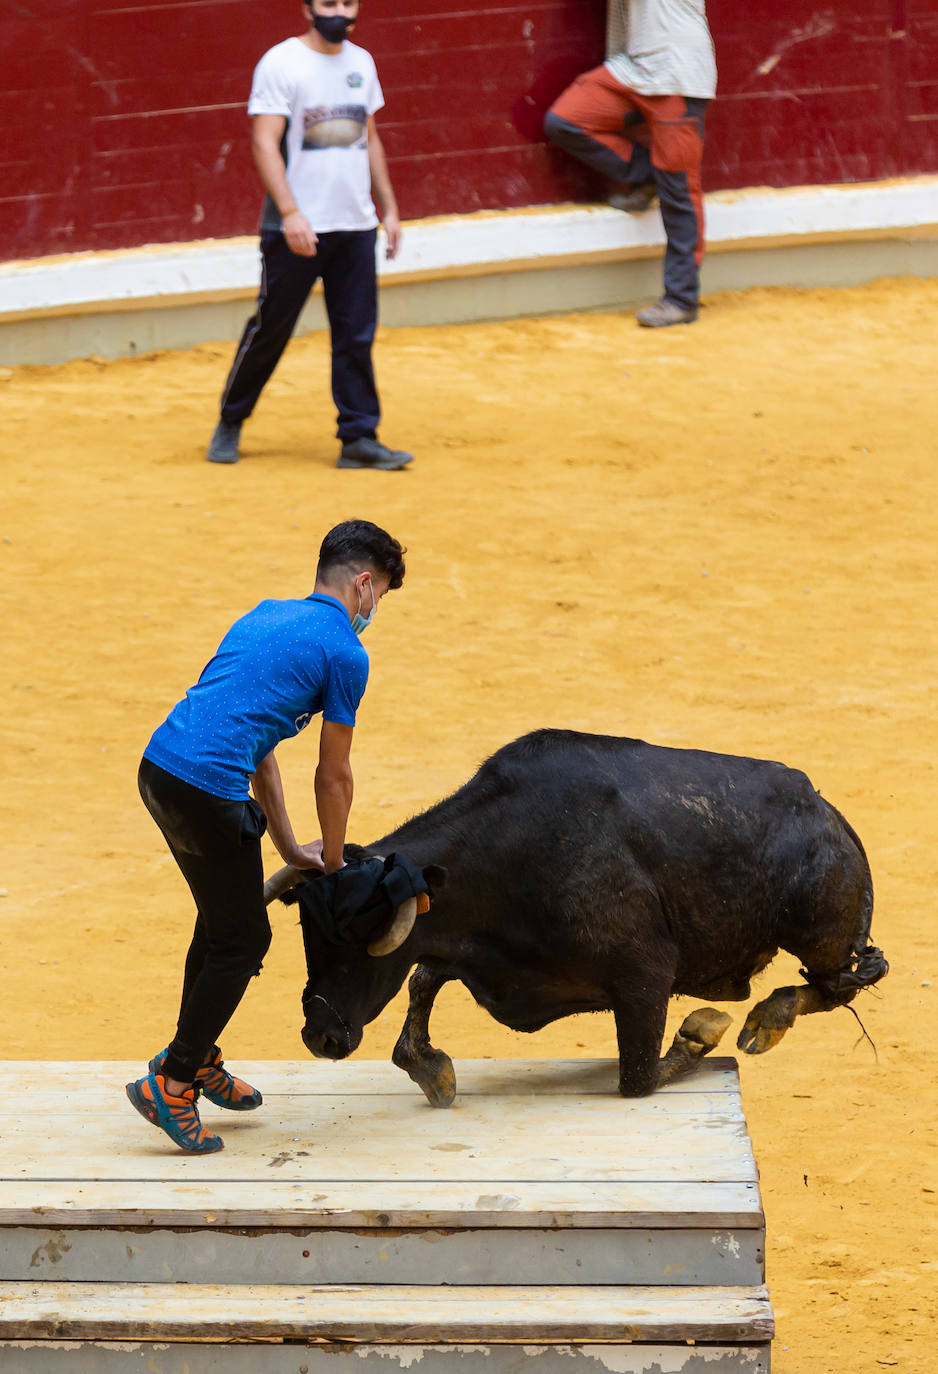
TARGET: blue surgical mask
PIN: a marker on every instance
(361, 622)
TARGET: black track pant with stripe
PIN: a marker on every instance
(346, 263)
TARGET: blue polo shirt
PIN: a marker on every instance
(276, 668)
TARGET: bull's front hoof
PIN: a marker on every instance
(705, 1027)
(437, 1078)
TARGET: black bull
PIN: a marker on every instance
(590, 873)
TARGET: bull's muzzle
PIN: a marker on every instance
(325, 1034)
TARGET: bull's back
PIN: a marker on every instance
(723, 841)
(713, 813)
(557, 811)
(608, 781)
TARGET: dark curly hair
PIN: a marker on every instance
(358, 542)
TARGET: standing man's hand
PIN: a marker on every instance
(267, 131)
(392, 230)
(383, 191)
(298, 234)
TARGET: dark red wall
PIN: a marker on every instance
(124, 123)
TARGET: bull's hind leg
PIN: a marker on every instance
(771, 1018)
(838, 958)
(774, 1015)
(432, 1070)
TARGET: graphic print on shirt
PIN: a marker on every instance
(302, 721)
(334, 126)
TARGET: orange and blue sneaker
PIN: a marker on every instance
(177, 1116)
(218, 1085)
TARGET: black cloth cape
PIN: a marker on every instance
(356, 904)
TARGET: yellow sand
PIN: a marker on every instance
(722, 537)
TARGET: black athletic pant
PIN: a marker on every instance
(346, 263)
(216, 844)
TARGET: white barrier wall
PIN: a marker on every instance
(55, 308)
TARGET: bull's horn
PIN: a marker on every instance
(399, 929)
(280, 882)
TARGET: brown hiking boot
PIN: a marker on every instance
(636, 200)
(663, 313)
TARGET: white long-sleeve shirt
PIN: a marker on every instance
(661, 47)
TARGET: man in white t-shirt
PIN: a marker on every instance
(639, 119)
(319, 157)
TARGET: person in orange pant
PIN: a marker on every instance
(639, 119)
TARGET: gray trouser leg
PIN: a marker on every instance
(681, 273)
(573, 140)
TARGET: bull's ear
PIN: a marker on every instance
(435, 877)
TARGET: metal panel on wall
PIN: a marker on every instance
(125, 122)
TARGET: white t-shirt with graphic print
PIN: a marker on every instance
(326, 100)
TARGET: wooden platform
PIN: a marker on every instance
(540, 1217)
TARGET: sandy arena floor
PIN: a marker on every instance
(723, 537)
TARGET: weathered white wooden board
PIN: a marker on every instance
(685, 1256)
(371, 1078)
(274, 1201)
(151, 1357)
(370, 1152)
(539, 1215)
(383, 1313)
(348, 1137)
(468, 1144)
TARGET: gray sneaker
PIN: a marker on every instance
(663, 313)
(371, 453)
(223, 447)
(636, 200)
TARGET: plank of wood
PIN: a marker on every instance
(527, 1113)
(383, 1139)
(304, 1162)
(385, 1157)
(276, 1202)
(583, 1130)
(475, 1077)
(686, 1256)
(580, 1116)
(186, 1357)
(383, 1313)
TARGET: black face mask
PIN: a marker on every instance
(333, 27)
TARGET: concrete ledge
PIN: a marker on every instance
(486, 265)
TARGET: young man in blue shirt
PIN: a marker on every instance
(276, 668)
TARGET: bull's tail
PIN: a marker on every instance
(867, 964)
(862, 970)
